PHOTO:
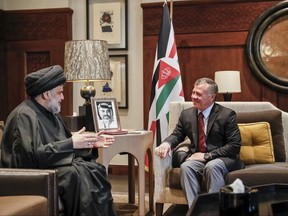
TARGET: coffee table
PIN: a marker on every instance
(270, 194)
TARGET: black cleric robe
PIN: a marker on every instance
(36, 138)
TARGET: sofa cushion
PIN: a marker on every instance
(257, 144)
(23, 205)
(258, 174)
(173, 180)
(274, 117)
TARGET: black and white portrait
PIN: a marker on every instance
(105, 113)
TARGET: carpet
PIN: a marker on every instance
(123, 208)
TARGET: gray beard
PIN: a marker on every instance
(53, 106)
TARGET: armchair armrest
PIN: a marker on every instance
(161, 167)
(15, 182)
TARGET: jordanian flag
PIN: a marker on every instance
(166, 80)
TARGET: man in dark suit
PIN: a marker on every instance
(212, 156)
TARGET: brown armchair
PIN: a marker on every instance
(28, 191)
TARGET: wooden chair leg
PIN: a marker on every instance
(159, 209)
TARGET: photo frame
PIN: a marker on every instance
(266, 47)
(117, 87)
(105, 114)
(107, 20)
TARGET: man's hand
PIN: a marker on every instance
(104, 141)
(163, 149)
(199, 156)
(90, 140)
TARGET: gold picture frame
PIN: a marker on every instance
(105, 114)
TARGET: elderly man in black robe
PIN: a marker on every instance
(35, 136)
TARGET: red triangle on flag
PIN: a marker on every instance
(166, 73)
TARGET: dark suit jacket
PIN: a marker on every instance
(223, 139)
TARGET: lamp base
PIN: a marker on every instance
(86, 111)
(86, 92)
(227, 96)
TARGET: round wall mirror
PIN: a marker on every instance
(267, 47)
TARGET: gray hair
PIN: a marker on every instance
(212, 85)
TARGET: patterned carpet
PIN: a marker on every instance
(123, 208)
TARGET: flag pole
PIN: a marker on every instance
(171, 9)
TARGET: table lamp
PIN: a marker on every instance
(87, 61)
(228, 82)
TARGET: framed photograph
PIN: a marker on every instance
(107, 20)
(117, 87)
(105, 114)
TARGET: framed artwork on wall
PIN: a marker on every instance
(107, 20)
(117, 87)
(105, 114)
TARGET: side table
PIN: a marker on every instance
(137, 145)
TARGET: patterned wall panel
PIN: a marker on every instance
(37, 60)
(31, 24)
(191, 17)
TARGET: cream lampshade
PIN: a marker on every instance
(228, 82)
(87, 61)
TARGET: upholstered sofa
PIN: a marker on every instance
(269, 167)
(28, 191)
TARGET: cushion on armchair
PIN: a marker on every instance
(257, 174)
(257, 144)
(274, 118)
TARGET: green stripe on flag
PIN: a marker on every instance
(167, 116)
(168, 87)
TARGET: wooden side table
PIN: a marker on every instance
(136, 145)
